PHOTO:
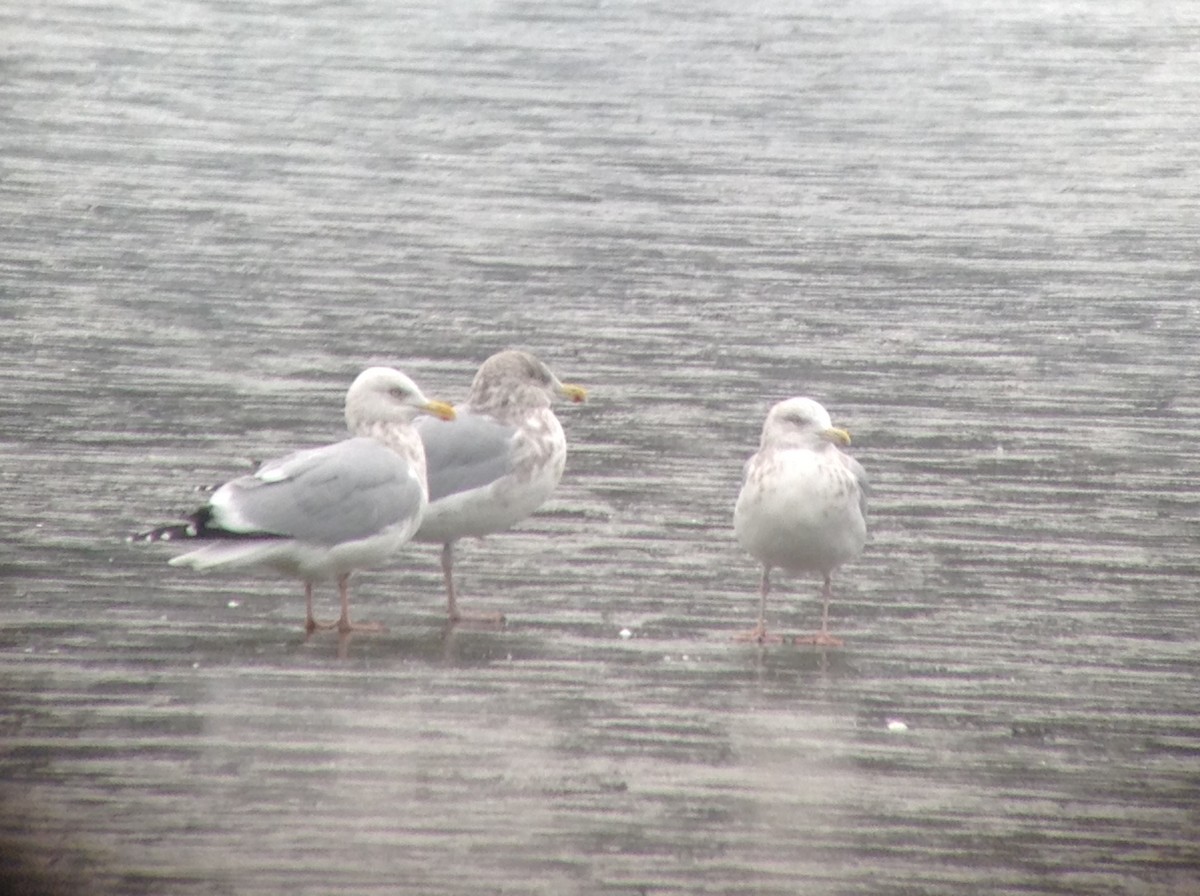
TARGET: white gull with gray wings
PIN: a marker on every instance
(322, 513)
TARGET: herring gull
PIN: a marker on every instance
(803, 504)
(497, 461)
(322, 513)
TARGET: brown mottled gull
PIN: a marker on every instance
(322, 513)
(497, 461)
(803, 504)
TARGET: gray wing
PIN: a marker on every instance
(467, 452)
(345, 491)
(860, 476)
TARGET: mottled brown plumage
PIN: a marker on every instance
(498, 461)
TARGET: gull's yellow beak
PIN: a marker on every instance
(837, 436)
(575, 393)
(439, 409)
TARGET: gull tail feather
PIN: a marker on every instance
(242, 552)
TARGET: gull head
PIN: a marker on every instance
(385, 395)
(521, 379)
(801, 423)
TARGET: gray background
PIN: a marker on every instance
(969, 228)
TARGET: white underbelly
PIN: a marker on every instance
(491, 508)
(799, 525)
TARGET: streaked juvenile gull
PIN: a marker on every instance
(497, 461)
(322, 513)
(803, 504)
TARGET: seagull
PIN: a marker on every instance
(497, 461)
(322, 513)
(803, 504)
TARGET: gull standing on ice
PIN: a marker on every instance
(497, 461)
(322, 513)
(803, 504)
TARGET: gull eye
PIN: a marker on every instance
(398, 392)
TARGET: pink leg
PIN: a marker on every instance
(451, 602)
(823, 638)
(448, 575)
(344, 624)
(310, 622)
(759, 634)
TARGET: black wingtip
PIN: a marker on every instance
(167, 533)
(195, 527)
